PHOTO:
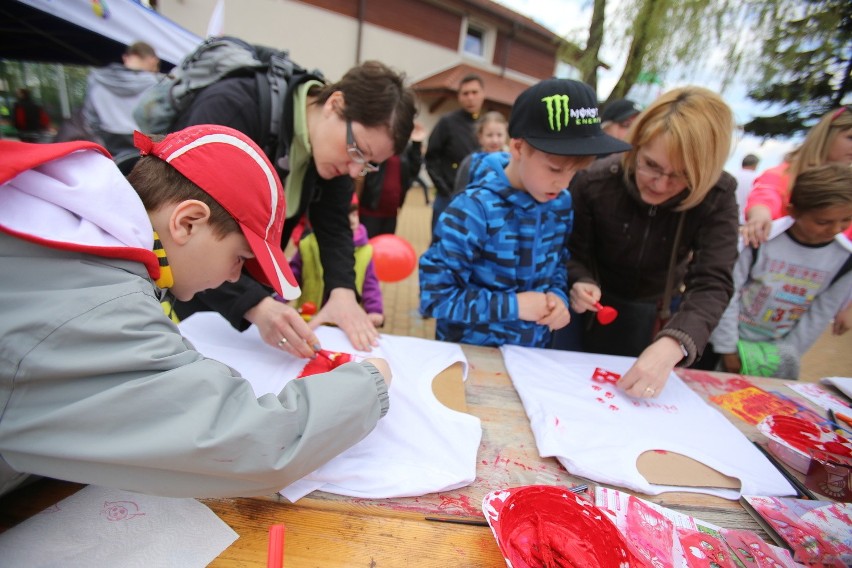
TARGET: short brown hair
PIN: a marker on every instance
(141, 49)
(822, 186)
(470, 78)
(158, 184)
(376, 95)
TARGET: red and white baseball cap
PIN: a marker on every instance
(234, 171)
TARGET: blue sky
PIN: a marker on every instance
(570, 18)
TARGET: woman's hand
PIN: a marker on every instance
(343, 310)
(648, 375)
(282, 327)
(757, 226)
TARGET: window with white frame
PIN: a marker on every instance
(477, 40)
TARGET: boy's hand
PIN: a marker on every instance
(731, 362)
(277, 321)
(343, 310)
(584, 296)
(559, 315)
(377, 319)
(383, 368)
(842, 321)
(532, 306)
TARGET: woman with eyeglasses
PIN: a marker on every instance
(330, 134)
(655, 236)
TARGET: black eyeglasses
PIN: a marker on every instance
(355, 153)
(655, 172)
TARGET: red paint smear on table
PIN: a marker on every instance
(806, 436)
(753, 404)
(459, 502)
(542, 525)
(711, 384)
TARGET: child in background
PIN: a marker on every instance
(496, 271)
(97, 385)
(492, 133)
(788, 288)
(307, 269)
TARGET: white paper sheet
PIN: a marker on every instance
(105, 527)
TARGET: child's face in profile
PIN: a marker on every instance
(544, 175)
(819, 226)
(493, 136)
(206, 261)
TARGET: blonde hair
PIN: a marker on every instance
(814, 150)
(698, 128)
(488, 118)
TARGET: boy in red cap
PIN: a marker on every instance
(96, 383)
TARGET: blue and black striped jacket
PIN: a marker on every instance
(492, 242)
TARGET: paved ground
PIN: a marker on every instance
(830, 355)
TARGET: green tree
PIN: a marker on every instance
(805, 66)
(657, 36)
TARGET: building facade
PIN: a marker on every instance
(435, 42)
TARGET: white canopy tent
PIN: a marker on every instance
(86, 32)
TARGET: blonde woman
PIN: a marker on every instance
(829, 141)
(655, 236)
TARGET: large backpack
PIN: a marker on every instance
(217, 58)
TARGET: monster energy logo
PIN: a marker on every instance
(559, 113)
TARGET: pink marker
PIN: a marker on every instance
(275, 550)
(606, 314)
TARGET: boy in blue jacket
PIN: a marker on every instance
(496, 271)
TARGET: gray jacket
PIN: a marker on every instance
(112, 93)
(98, 386)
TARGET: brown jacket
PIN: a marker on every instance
(624, 245)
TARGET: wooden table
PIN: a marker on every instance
(329, 530)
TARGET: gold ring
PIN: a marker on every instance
(650, 391)
(282, 342)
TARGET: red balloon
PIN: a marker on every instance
(393, 257)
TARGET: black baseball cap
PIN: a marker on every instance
(560, 116)
(620, 110)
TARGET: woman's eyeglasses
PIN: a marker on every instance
(655, 172)
(355, 153)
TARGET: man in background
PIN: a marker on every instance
(618, 116)
(745, 179)
(452, 139)
(114, 91)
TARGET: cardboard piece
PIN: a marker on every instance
(448, 387)
(670, 468)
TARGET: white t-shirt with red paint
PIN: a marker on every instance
(596, 431)
(419, 447)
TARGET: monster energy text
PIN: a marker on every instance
(559, 112)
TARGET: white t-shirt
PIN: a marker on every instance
(598, 432)
(419, 447)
